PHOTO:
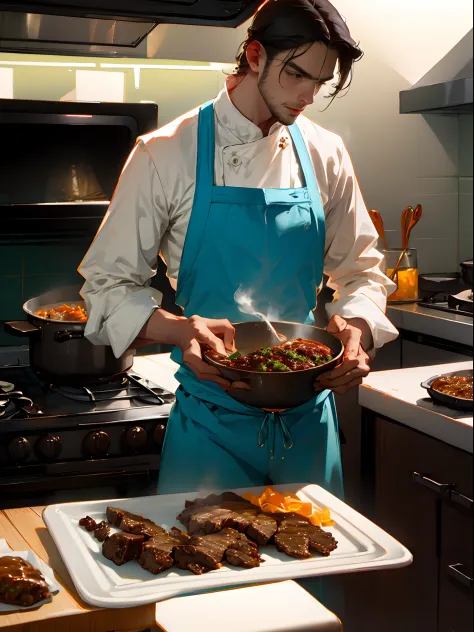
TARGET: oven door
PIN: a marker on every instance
(123, 477)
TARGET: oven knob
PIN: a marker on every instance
(97, 443)
(49, 447)
(159, 434)
(136, 437)
(19, 449)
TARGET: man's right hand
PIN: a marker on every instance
(188, 334)
(194, 331)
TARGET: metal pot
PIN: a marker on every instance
(58, 349)
(466, 272)
(457, 403)
(276, 391)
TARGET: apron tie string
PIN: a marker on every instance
(264, 432)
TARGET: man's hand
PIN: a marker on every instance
(355, 363)
(218, 334)
(188, 334)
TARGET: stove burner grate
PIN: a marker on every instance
(447, 304)
(126, 388)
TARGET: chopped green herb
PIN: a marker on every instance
(293, 355)
(276, 365)
(261, 367)
(234, 356)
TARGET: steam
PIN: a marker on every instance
(246, 306)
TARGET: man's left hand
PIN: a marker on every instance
(355, 362)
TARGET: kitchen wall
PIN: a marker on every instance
(31, 267)
(411, 158)
(466, 209)
(399, 159)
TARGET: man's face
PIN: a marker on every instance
(288, 89)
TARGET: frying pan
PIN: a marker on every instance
(275, 391)
(448, 400)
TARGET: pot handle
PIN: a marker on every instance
(67, 334)
(21, 328)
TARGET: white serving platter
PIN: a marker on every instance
(362, 546)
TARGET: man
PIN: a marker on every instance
(244, 192)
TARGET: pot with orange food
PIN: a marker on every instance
(59, 351)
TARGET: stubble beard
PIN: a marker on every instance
(277, 112)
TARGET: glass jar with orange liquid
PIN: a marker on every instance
(406, 277)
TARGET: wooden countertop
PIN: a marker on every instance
(24, 529)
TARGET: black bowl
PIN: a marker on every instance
(458, 403)
(276, 391)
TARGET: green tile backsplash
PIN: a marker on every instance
(27, 270)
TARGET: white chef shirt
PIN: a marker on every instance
(151, 207)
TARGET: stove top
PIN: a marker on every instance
(130, 392)
(62, 439)
(453, 304)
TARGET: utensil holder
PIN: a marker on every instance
(406, 276)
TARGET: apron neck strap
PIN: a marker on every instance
(304, 160)
(206, 147)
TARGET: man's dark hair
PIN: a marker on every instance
(288, 25)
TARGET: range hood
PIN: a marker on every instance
(109, 28)
(447, 87)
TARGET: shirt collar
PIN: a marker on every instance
(229, 117)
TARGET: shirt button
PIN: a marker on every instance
(235, 161)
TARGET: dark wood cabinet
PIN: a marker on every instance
(455, 612)
(419, 490)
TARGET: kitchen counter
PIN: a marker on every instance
(395, 394)
(24, 529)
(399, 396)
(423, 320)
(159, 368)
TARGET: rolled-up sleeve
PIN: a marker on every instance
(352, 261)
(119, 264)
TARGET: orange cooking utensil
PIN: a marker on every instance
(409, 220)
(379, 227)
(404, 222)
(415, 218)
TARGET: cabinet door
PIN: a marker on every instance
(407, 599)
(455, 573)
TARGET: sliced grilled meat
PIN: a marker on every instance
(204, 553)
(123, 547)
(88, 523)
(296, 536)
(133, 523)
(21, 584)
(101, 531)
(157, 553)
(214, 513)
(243, 553)
(262, 528)
(114, 516)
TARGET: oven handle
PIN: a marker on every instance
(31, 483)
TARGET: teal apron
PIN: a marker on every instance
(272, 242)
